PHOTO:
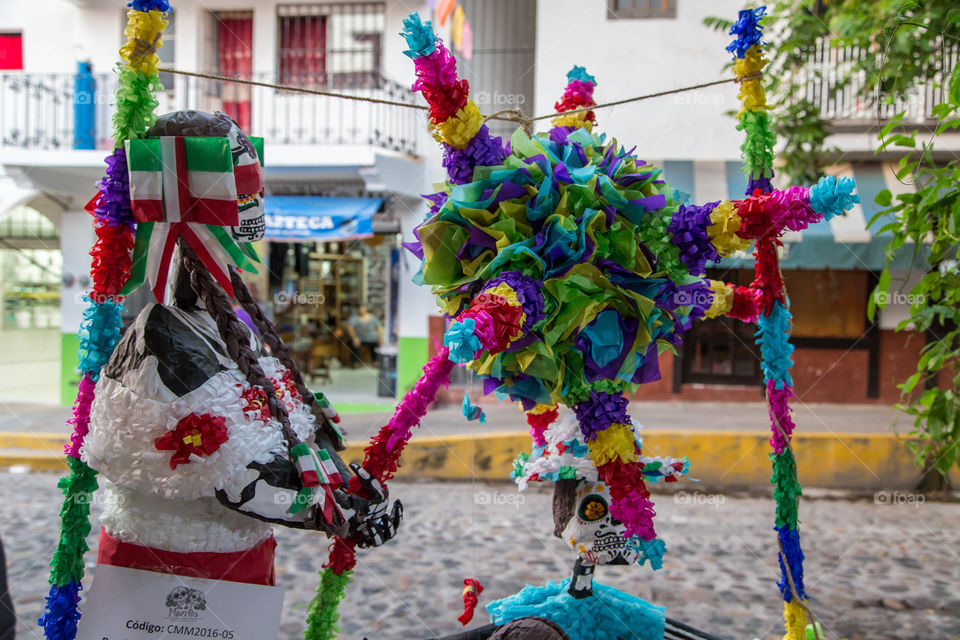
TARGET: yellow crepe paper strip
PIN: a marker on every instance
(796, 619)
(614, 442)
(573, 120)
(722, 299)
(723, 230)
(752, 95)
(143, 31)
(458, 130)
(540, 408)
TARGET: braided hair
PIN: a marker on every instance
(279, 349)
(234, 335)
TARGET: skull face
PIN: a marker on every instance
(178, 597)
(246, 167)
(592, 532)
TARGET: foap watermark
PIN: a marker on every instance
(285, 298)
(898, 498)
(884, 298)
(498, 99)
(497, 498)
(699, 499)
(697, 298)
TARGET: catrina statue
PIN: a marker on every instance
(203, 432)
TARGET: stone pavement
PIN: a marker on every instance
(878, 569)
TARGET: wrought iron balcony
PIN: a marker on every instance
(37, 109)
(837, 88)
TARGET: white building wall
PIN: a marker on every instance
(635, 57)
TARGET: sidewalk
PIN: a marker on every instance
(501, 417)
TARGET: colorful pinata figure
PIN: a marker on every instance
(566, 266)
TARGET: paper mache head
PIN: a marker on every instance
(581, 501)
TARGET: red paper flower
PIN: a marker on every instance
(199, 434)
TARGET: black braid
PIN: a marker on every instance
(280, 350)
(234, 336)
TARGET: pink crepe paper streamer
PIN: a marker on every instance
(780, 413)
(413, 407)
(636, 512)
(791, 209)
(483, 329)
(81, 416)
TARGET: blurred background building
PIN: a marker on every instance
(343, 178)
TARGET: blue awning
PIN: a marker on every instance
(319, 218)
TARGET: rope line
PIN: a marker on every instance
(507, 115)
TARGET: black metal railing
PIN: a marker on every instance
(37, 110)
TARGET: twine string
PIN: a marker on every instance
(506, 115)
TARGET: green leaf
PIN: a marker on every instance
(884, 198)
(953, 86)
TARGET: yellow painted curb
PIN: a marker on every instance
(718, 458)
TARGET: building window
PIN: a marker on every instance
(722, 350)
(636, 9)
(330, 44)
(11, 51)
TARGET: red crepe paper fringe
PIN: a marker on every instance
(382, 455)
(471, 596)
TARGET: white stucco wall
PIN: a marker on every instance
(635, 57)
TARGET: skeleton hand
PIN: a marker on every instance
(369, 519)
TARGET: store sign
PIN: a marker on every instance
(319, 218)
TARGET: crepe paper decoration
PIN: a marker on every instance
(466, 41)
(651, 551)
(773, 338)
(456, 27)
(61, 614)
(382, 455)
(445, 10)
(113, 201)
(467, 142)
(688, 231)
(184, 187)
(600, 411)
(745, 302)
(80, 420)
(616, 442)
(99, 335)
(577, 95)
(471, 596)
(322, 613)
(111, 262)
(150, 5)
(749, 31)
(796, 621)
(540, 418)
(789, 541)
(471, 412)
(326, 407)
(780, 419)
(832, 196)
(319, 477)
(724, 229)
(143, 32)
(608, 613)
(722, 302)
(194, 435)
(135, 101)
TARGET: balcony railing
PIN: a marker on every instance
(838, 90)
(37, 110)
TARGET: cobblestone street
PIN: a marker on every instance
(876, 569)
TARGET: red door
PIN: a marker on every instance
(235, 59)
